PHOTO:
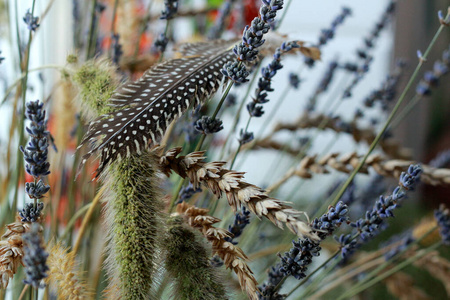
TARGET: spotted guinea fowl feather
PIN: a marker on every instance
(146, 107)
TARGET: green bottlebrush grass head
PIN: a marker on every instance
(188, 263)
(133, 221)
(96, 81)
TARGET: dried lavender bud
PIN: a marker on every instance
(32, 22)
(186, 193)
(348, 245)
(36, 190)
(235, 71)
(331, 220)
(294, 81)
(170, 9)
(328, 33)
(36, 151)
(1, 58)
(255, 110)
(216, 261)
(245, 137)
(409, 179)
(252, 38)
(231, 100)
(35, 257)
(431, 78)
(441, 160)
(207, 125)
(296, 261)
(241, 220)
(117, 48)
(403, 241)
(442, 216)
(31, 213)
(161, 43)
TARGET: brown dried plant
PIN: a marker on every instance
(64, 275)
(346, 163)
(223, 181)
(438, 267)
(389, 145)
(11, 250)
(233, 257)
(402, 286)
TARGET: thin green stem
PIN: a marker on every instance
(391, 116)
(92, 30)
(405, 111)
(240, 144)
(238, 113)
(390, 272)
(285, 10)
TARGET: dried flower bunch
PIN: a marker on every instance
(131, 184)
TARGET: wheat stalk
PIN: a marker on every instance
(347, 162)
(389, 145)
(11, 250)
(233, 257)
(402, 286)
(438, 267)
(220, 180)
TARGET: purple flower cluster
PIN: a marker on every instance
(208, 125)
(323, 85)
(386, 93)
(264, 83)
(36, 154)
(170, 9)
(383, 208)
(116, 48)
(34, 258)
(441, 160)
(252, 38)
(187, 192)
(442, 216)
(245, 137)
(327, 34)
(241, 220)
(296, 261)
(369, 42)
(32, 22)
(431, 78)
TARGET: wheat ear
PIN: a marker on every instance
(233, 257)
(11, 250)
(346, 163)
(389, 145)
(438, 267)
(220, 180)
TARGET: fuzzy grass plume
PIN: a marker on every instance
(64, 275)
(132, 214)
(188, 263)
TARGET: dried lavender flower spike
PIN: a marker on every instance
(35, 257)
(32, 22)
(208, 125)
(442, 216)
